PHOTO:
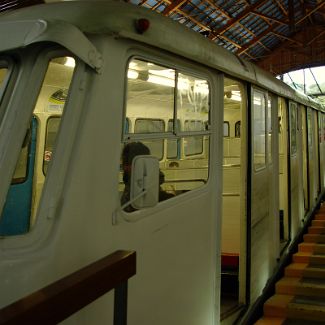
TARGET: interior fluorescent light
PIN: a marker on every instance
(70, 62)
(132, 74)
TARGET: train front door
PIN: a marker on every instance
(263, 168)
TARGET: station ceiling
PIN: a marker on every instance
(277, 35)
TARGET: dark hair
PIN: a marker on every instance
(132, 150)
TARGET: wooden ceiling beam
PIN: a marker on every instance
(235, 20)
(255, 40)
(287, 38)
(266, 17)
(284, 59)
(175, 4)
(315, 38)
(284, 11)
(213, 5)
(310, 12)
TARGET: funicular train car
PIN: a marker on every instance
(241, 156)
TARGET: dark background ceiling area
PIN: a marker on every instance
(278, 35)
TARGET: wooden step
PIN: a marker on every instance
(319, 216)
(301, 286)
(308, 257)
(301, 308)
(312, 238)
(312, 248)
(271, 321)
(276, 306)
(300, 270)
(318, 223)
(307, 308)
(316, 229)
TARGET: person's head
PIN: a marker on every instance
(130, 151)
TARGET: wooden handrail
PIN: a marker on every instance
(59, 300)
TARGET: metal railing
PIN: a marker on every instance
(59, 300)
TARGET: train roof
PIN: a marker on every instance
(118, 18)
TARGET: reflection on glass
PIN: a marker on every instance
(192, 100)
(259, 129)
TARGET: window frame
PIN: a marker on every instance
(194, 71)
(178, 69)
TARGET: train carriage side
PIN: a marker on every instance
(239, 162)
(79, 217)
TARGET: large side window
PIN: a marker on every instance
(170, 113)
(259, 129)
(37, 149)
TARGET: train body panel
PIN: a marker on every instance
(234, 178)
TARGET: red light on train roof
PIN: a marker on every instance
(142, 25)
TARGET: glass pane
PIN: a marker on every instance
(149, 126)
(52, 129)
(150, 94)
(259, 129)
(150, 108)
(310, 128)
(269, 130)
(237, 129)
(226, 129)
(293, 128)
(193, 145)
(192, 102)
(156, 147)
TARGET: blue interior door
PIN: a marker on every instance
(16, 214)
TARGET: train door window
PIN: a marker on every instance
(226, 129)
(193, 102)
(52, 129)
(157, 97)
(24, 194)
(269, 130)
(193, 145)
(293, 128)
(237, 129)
(283, 173)
(259, 129)
(305, 157)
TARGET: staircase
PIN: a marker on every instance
(300, 295)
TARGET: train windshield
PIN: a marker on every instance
(37, 149)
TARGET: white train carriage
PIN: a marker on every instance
(242, 158)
